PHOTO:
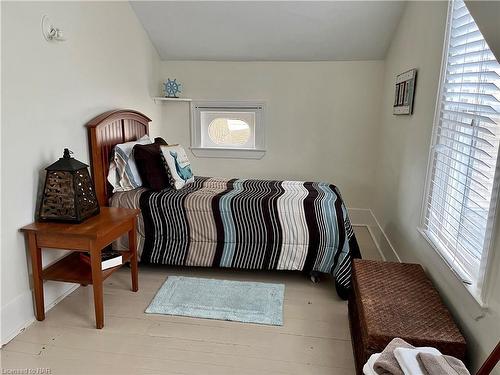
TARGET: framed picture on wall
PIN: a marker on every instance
(404, 93)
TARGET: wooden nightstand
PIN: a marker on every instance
(91, 236)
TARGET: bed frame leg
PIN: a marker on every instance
(314, 276)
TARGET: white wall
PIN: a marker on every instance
(404, 146)
(50, 90)
(321, 118)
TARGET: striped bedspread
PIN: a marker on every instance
(250, 224)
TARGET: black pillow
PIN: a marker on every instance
(149, 161)
(161, 141)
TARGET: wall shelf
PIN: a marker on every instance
(164, 99)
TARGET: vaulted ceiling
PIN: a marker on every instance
(270, 30)
(486, 14)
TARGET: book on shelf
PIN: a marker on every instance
(109, 259)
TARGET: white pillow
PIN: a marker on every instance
(178, 166)
(123, 174)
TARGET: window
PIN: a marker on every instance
(460, 200)
(231, 129)
(227, 129)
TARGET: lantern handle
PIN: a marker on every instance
(67, 153)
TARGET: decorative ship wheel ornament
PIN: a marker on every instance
(171, 88)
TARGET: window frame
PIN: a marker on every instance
(480, 289)
(255, 106)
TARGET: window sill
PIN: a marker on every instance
(228, 153)
(476, 296)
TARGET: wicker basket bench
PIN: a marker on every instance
(398, 300)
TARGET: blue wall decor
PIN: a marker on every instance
(171, 88)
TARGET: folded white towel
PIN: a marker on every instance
(368, 367)
(407, 359)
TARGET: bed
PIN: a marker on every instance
(233, 223)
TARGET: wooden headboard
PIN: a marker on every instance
(105, 132)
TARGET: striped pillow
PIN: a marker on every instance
(123, 174)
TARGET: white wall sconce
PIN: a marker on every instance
(50, 32)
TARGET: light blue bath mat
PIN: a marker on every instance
(239, 301)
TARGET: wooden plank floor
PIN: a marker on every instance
(313, 340)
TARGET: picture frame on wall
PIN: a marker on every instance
(404, 92)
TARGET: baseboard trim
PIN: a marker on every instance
(19, 312)
(364, 217)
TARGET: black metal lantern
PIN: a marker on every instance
(69, 193)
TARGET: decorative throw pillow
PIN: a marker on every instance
(123, 174)
(151, 166)
(177, 165)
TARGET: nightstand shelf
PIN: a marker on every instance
(74, 270)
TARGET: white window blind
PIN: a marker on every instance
(461, 192)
